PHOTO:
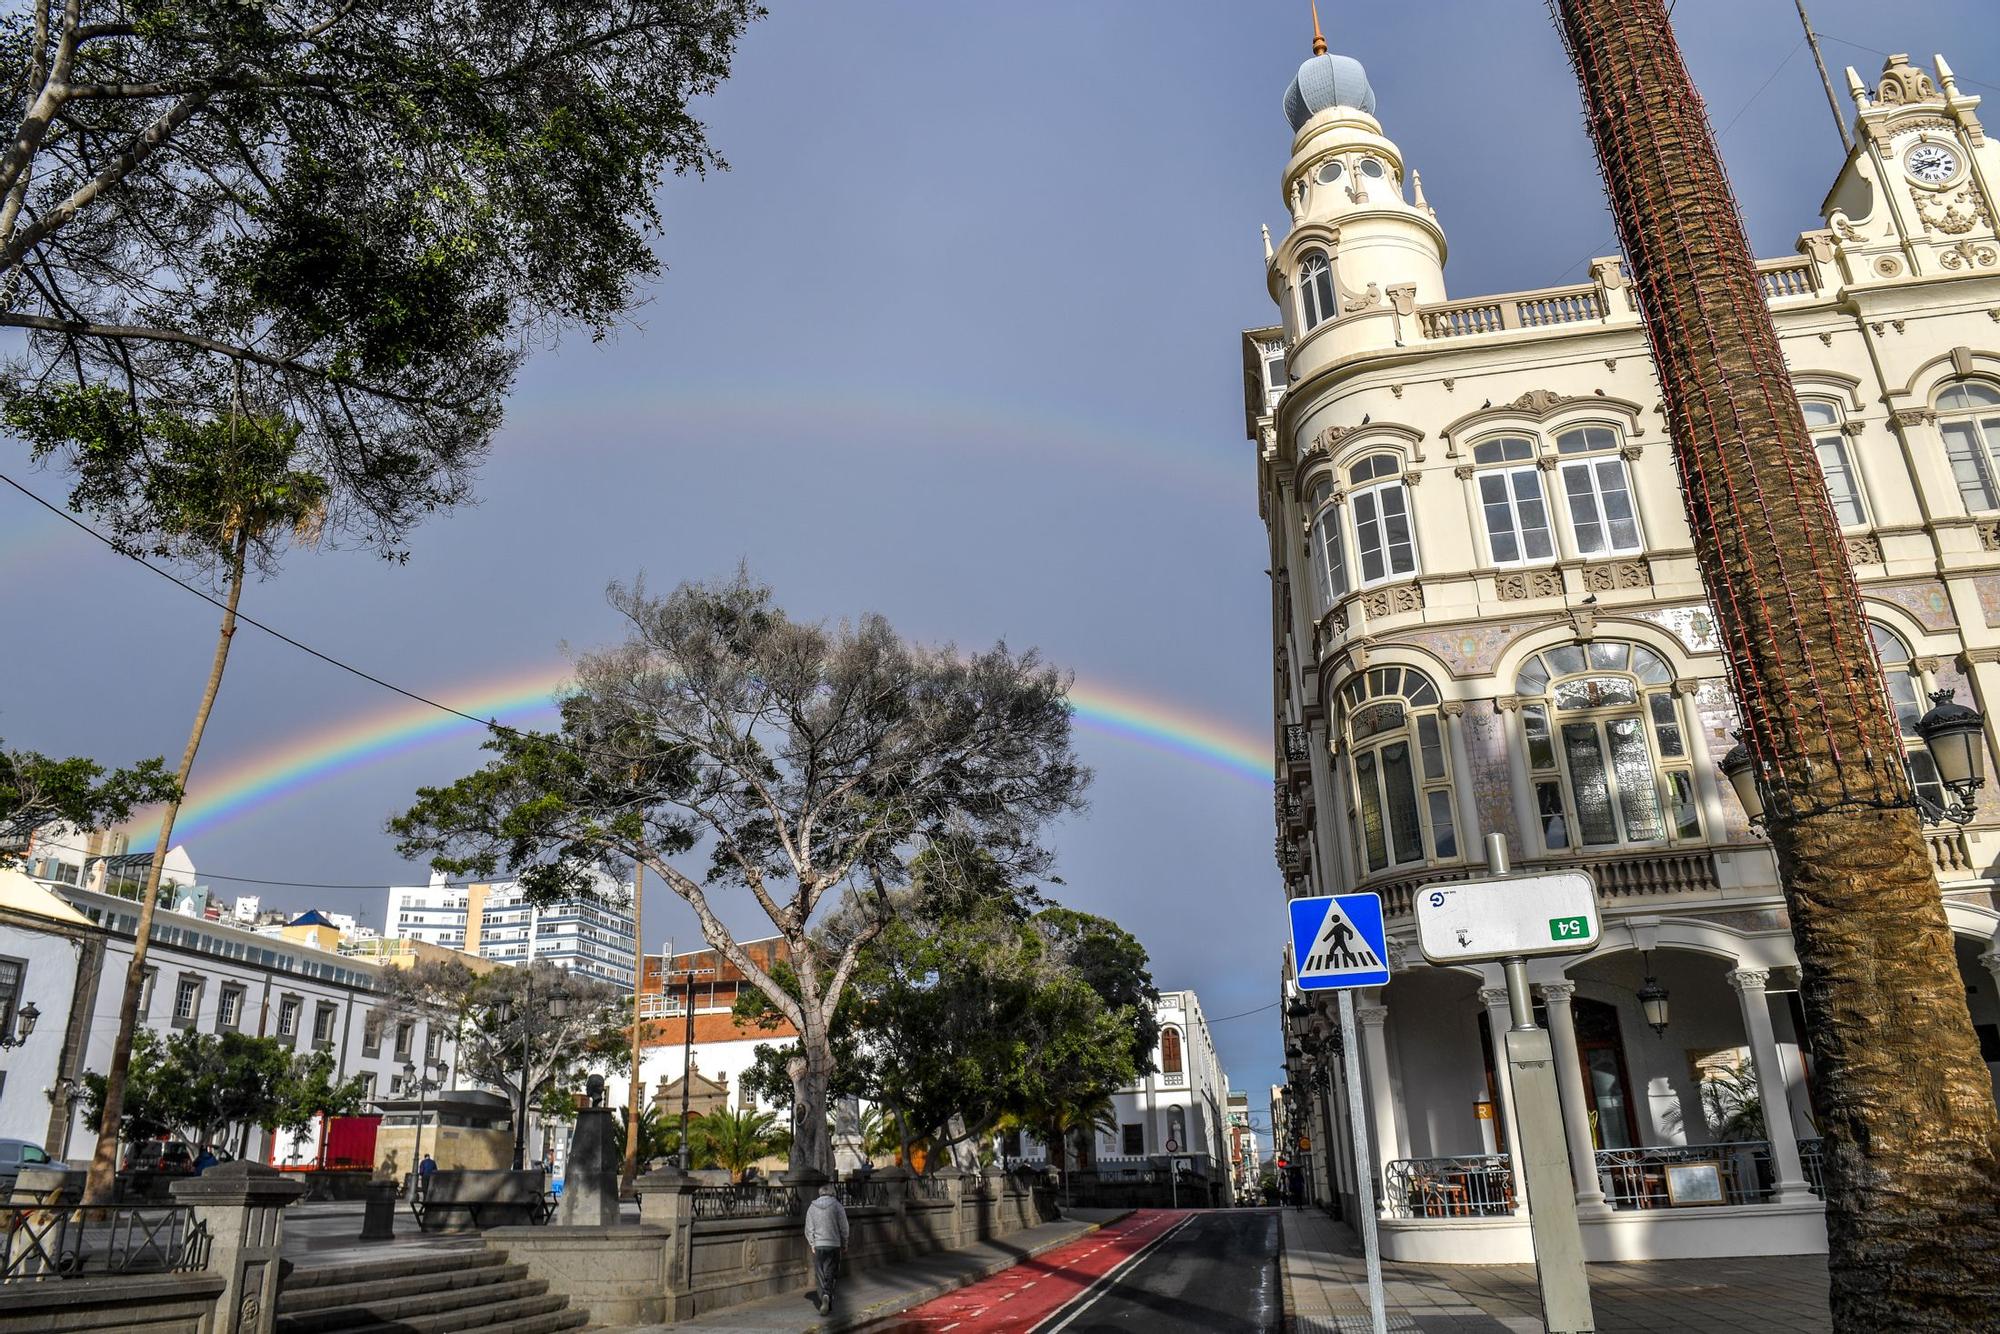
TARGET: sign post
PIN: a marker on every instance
(1510, 919)
(1339, 943)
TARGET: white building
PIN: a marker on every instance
(71, 960)
(1488, 618)
(587, 936)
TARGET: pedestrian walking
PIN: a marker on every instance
(826, 1233)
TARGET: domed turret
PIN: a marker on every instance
(1326, 80)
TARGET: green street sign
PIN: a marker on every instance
(1569, 928)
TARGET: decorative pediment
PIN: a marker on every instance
(1541, 402)
(1903, 84)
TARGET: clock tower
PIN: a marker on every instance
(1916, 197)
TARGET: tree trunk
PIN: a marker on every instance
(1904, 1102)
(98, 1186)
(811, 1071)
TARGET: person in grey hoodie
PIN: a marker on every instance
(826, 1233)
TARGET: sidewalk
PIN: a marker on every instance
(1326, 1291)
(872, 1296)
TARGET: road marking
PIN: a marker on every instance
(949, 1328)
(1107, 1281)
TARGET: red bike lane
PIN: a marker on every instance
(1018, 1299)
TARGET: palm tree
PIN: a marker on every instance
(659, 1137)
(1904, 1103)
(737, 1139)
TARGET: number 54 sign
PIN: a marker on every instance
(1516, 916)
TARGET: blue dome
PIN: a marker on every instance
(1327, 81)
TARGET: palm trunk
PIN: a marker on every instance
(1903, 1100)
(99, 1185)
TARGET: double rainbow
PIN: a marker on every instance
(257, 782)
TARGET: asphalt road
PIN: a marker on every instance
(1215, 1274)
(1160, 1270)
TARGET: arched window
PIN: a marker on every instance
(1607, 749)
(1906, 701)
(1510, 495)
(1830, 445)
(1315, 289)
(1385, 544)
(1170, 1051)
(1598, 492)
(1969, 420)
(1397, 761)
(1326, 550)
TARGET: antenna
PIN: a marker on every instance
(1319, 38)
(1832, 102)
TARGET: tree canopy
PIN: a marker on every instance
(36, 790)
(210, 1088)
(787, 759)
(346, 223)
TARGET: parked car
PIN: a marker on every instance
(167, 1157)
(16, 1154)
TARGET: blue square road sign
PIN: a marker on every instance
(1339, 941)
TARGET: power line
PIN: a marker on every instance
(1876, 51)
(1242, 1013)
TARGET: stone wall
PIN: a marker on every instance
(148, 1304)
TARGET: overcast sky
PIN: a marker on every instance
(954, 340)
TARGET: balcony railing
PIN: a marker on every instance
(1481, 1185)
(1466, 1186)
(1637, 1178)
(1583, 303)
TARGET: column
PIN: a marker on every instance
(1498, 1020)
(1369, 1021)
(1575, 1098)
(1707, 778)
(1471, 838)
(1991, 960)
(1528, 839)
(1791, 1180)
(242, 1206)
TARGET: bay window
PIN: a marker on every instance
(1325, 549)
(1399, 766)
(1315, 290)
(1385, 544)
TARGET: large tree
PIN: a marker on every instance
(725, 745)
(1900, 1094)
(275, 265)
(515, 1041)
(37, 791)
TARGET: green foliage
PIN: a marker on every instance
(36, 790)
(210, 1088)
(593, 1033)
(659, 1136)
(347, 222)
(735, 1139)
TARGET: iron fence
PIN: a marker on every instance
(1638, 1178)
(1466, 1186)
(72, 1242)
(1812, 1158)
(749, 1199)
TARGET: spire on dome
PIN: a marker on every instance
(1319, 38)
(1326, 80)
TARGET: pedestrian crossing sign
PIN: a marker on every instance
(1338, 941)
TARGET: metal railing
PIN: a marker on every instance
(1812, 1158)
(70, 1242)
(1466, 1186)
(749, 1199)
(868, 1194)
(1637, 1178)
(929, 1188)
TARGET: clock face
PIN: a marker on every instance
(1933, 164)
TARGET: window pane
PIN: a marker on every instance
(1432, 745)
(1375, 844)
(1536, 540)
(1417, 689)
(1565, 660)
(1615, 496)
(1840, 488)
(1903, 698)
(1961, 446)
(1401, 794)
(1820, 414)
(1500, 531)
(1396, 527)
(1667, 727)
(1368, 537)
(1332, 572)
(1924, 777)
(1376, 719)
(1444, 837)
(1647, 666)
(1555, 826)
(1638, 791)
(1587, 438)
(1590, 783)
(1595, 692)
(1532, 678)
(1541, 750)
(1583, 514)
(1968, 395)
(1608, 657)
(1687, 820)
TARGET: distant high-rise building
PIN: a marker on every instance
(590, 936)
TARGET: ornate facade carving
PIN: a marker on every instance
(1903, 84)
(1966, 255)
(1518, 585)
(1954, 213)
(1989, 535)
(1540, 401)
(1392, 601)
(1908, 417)
(1865, 549)
(1617, 574)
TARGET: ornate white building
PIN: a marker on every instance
(1486, 617)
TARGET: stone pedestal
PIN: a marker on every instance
(590, 1181)
(666, 1201)
(242, 1207)
(378, 1218)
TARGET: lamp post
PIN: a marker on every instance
(25, 1019)
(558, 1010)
(433, 1077)
(1953, 734)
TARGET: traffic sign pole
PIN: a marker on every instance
(1539, 1149)
(1364, 1165)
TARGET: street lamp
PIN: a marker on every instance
(557, 1009)
(1954, 735)
(434, 1073)
(1653, 998)
(24, 1024)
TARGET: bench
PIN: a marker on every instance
(461, 1201)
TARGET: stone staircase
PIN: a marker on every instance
(442, 1292)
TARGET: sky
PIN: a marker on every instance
(955, 339)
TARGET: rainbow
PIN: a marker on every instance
(259, 781)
